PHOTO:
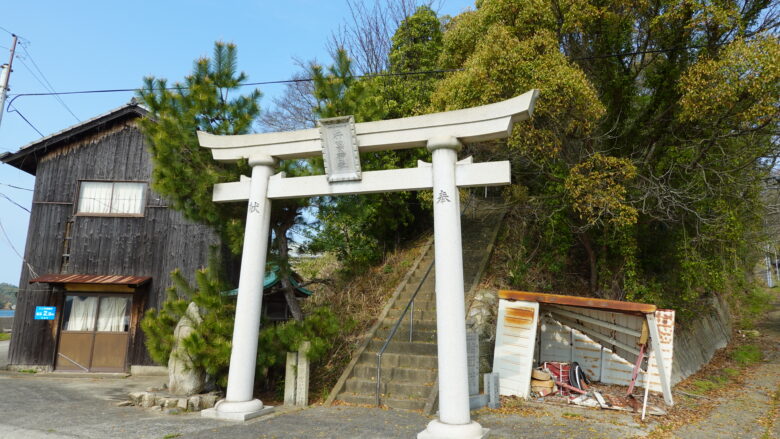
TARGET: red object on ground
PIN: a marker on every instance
(637, 365)
(560, 372)
(572, 388)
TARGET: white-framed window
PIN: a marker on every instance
(111, 198)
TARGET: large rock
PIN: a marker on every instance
(182, 378)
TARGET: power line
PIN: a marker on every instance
(8, 240)
(16, 187)
(644, 52)
(247, 84)
(16, 110)
(370, 75)
(47, 84)
(14, 202)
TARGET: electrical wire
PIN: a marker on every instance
(16, 110)
(47, 84)
(644, 52)
(370, 75)
(247, 84)
(14, 202)
(8, 240)
(16, 187)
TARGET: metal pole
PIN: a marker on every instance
(4, 76)
(411, 322)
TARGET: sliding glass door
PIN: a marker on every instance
(94, 333)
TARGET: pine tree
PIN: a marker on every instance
(208, 99)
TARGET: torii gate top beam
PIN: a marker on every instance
(476, 124)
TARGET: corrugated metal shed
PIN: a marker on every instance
(603, 336)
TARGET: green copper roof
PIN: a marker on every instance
(270, 279)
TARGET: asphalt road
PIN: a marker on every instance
(45, 406)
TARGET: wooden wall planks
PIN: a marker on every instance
(152, 245)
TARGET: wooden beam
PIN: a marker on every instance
(476, 124)
(584, 302)
(100, 288)
(393, 180)
(584, 318)
(597, 335)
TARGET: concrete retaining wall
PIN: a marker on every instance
(696, 342)
(6, 323)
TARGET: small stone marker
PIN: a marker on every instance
(491, 388)
(296, 377)
(289, 378)
(472, 358)
(302, 378)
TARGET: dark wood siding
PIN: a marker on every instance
(152, 245)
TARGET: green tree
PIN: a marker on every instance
(207, 100)
(359, 228)
(641, 168)
(185, 173)
(209, 345)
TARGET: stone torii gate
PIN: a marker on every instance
(340, 141)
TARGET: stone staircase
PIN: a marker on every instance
(409, 366)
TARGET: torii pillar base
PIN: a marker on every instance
(440, 430)
(241, 412)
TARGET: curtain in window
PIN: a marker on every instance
(112, 314)
(95, 197)
(82, 313)
(128, 198)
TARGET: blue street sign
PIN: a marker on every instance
(45, 312)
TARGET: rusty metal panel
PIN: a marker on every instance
(515, 340)
(91, 279)
(585, 302)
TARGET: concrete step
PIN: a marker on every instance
(392, 359)
(424, 299)
(397, 374)
(419, 314)
(403, 347)
(427, 301)
(423, 335)
(395, 403)
(421, 324)
(392, 389)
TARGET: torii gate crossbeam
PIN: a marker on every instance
(441, 133)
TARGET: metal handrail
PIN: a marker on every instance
(410, 304)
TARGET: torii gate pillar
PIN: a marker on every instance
(239, 403)
(454, 412)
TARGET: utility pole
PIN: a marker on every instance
(6, 73)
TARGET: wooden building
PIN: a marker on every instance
(100, 247)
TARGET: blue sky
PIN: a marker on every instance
(90, 45)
